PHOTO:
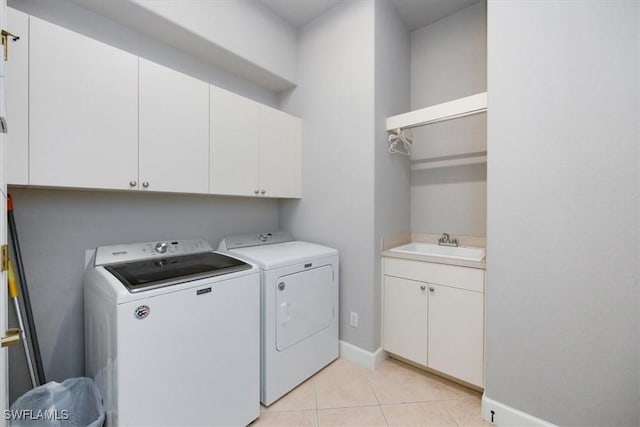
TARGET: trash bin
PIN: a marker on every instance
(75, 402)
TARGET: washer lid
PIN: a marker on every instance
(282, 254)
(154, 273)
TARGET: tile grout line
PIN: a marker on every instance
(442, 398)
(449, 412)
(373, 389)
(315, 398)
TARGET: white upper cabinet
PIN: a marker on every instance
(92, 116)
(83, 111)
(18, 99)
(255, 149)
(174, 131)
(280, 153)
(234, 144)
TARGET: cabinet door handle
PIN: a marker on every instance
(262, 192)
(132, 183)
(423, 287)
(431, 288)
(256, 191)
(145, 184)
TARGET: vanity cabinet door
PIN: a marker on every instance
(405, 319)
(456, 337)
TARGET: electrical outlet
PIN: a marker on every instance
(354, 319)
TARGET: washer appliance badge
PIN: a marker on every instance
(142, 312)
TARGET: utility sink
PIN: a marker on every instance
(430, 249)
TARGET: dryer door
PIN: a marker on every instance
(304, 305)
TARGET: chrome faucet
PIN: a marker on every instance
(445, 240)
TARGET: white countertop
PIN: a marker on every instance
(399, 239)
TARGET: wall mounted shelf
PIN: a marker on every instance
(461, 107)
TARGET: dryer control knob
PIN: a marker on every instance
(161, 247)
(264, 237)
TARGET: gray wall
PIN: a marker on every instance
(392, 177)
(353, 72)
(335, 98)
(449, 57)
(57, 226)
(223, 22)
(448, 61)
(563, 220)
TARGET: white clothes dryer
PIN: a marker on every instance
(299, 307)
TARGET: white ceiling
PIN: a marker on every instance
(299, 12)
(415, 13)
(418, 13)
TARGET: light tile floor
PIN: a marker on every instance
(344, 394)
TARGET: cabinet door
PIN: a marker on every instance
(83, 111)
(280, 152)
(405, 319)
(234, 143)
(174, 131)
(456, 338)
(18, 99)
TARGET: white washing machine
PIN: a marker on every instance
(172, 334)
(299, 307)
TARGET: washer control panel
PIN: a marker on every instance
(138, 251)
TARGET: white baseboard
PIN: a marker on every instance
(364, 358)
(505, 416)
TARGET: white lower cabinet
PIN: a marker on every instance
(434, 316)
(456, 332)
(405, 318)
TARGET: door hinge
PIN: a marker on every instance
(4, 36)
(12, 337)
(5, 258)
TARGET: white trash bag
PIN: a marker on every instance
(75, 402)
